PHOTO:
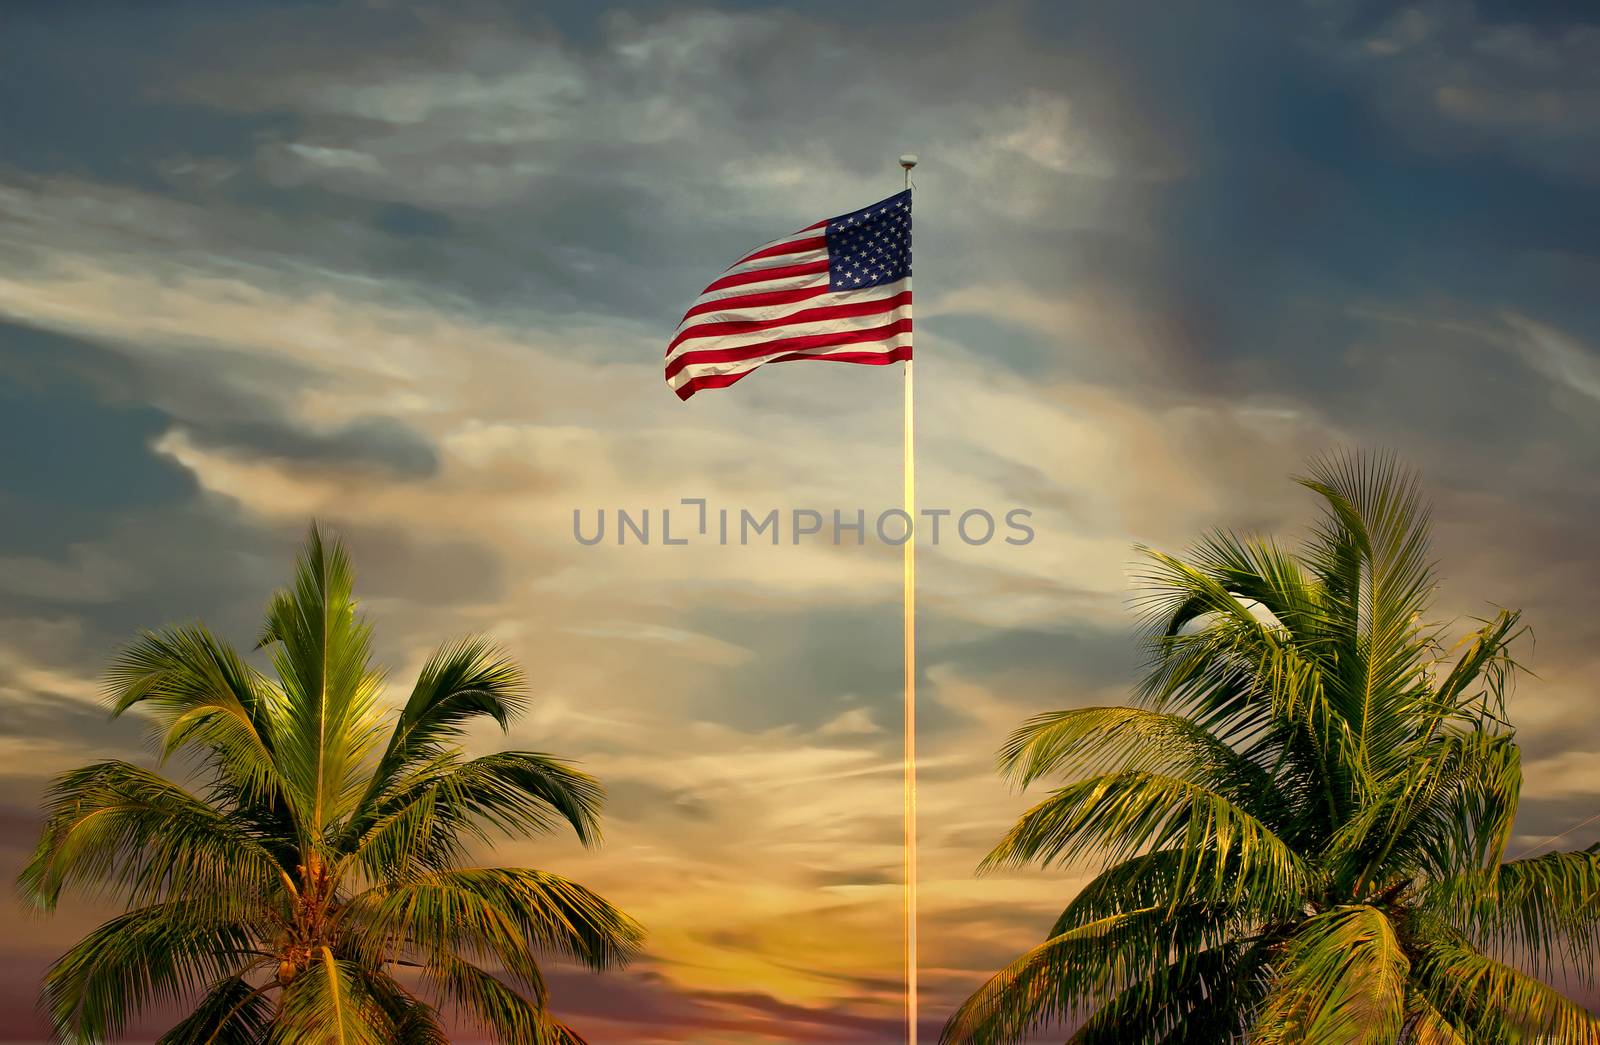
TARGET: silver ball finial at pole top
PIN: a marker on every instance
(908, 160)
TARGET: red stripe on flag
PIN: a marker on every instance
(771, 297)
(740, 279)
(806, 315)
(795, 246)
(843, 337)
(693, 385)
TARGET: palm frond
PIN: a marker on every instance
(1102, 739)
(1054, 981)
(1542, 912)
(321, 648)
(203, 697)
(1372, 551)
(425, 821)
(150, 955)
(415, 1022)
(232, 1013)
(1163, 879)
(1227, 853)
(1426, 1025)
(1450, 807)
(510, 914)
(1342, 979)
(461, 681)
(1487, 658)
(130, 831)
(1490, 996)
(1246, 678)
(331, 1003)
(496, 1008)
(1200, 997)
(1260, 573)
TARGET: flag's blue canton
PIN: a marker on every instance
(870, 246)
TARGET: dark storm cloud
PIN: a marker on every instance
(53, 716)
(81, 475)
(1031, 662)
(366, 442)
(80, 84)
(72, 458)
(1304, 189)
(1296, 178)
(60, 384)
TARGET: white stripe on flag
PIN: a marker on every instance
(800, 282)
(788, 330)
(761, 313)
(786, 300)
(735, 366)
(780, 261)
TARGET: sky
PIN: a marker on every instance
(409, 269)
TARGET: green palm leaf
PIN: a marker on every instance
(443, 803)
(203, 697)
(462, 680)
(331, 1003)
(1225, 851)
(1064, 743)
(1302, 823)
(116, 826)
(1490, 996)
(310, 856)
(232, 1013)
(1542, 912)
(1342, 978)
(1052, 982)
(510, 914)
(139, 959)
(1196, 998)
(494, 1007)
(321, 649)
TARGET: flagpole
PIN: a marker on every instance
(909, 610)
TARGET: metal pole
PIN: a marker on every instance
(910, 612)
(909, 609)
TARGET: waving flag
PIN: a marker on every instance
(838, 290)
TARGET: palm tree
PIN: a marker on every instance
(1303, 821)
(313, 887)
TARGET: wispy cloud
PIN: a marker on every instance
(419, 288)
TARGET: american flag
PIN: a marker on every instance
(839, 290)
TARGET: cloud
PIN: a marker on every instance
(418, 288)
(1557, 356)
(1460, 80)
